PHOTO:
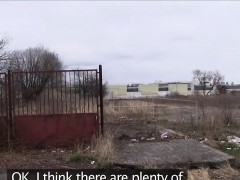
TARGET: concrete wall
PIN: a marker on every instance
(117, 91)
(148, 89)
(134, 94)
(163, 93)
(179, 88)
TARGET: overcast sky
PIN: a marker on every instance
(136, 41)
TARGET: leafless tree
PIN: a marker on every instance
(86, 85)
(207, 79)
(30, 62)
(3, 54)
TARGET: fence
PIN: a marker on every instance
(146, 109)
(52, 106)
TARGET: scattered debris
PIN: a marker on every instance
(134, 140)
(204, 140)
(142, 138)
(123, 118)
(234, 139)
(86, 149)
(92, 162)
(151, 139)
(165, 135)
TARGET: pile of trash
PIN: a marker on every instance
(162, 136)
(234, 139)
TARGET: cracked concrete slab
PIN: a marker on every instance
(174, 154)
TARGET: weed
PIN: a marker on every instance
(104, 164)
(77, 158)
(230, 148)
(104, 150)
(60, 158)
(199, 174)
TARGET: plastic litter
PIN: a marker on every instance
(151, 139)
(234, 139)
(134, 140)
(92, 162)
(164, 135)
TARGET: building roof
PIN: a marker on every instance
(176, 83)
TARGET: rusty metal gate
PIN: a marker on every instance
(51, 107)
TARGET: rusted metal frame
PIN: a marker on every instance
(101, 98)
(2, 110)
(10, 108)
(81, 70)
(57, 90)
(48, 98)
(22, 105)
(27, 85)
(79, 91)
(75, 92)
(70, 89)
(52, 89)
(16, 94)
(40, 103)
(93, 91)
(96, 96)
(6, 97)
(31, 106)
(18, 97)
(44, 100)
(84, 93)
(66, 99)
(61, 94)
(88, 91)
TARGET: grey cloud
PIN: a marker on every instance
(134, 41)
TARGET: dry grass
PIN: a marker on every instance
(199, 174)
(146, 110)
(104, 149)
(225, 172)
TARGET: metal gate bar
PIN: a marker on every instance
(47, 93)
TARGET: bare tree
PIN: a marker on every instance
(30, 62)
(207, 79)
(3, 54)
(87, 85)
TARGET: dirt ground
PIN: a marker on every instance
(42, 159)
(124, 133)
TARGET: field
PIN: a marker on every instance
(208, 119)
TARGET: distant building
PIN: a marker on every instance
(119, 91)
(146, 90)
(169, 88)
(199, 90)
(228, 89)
(133, 90)
(180, 88)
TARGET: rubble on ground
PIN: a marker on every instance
(234, 139)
